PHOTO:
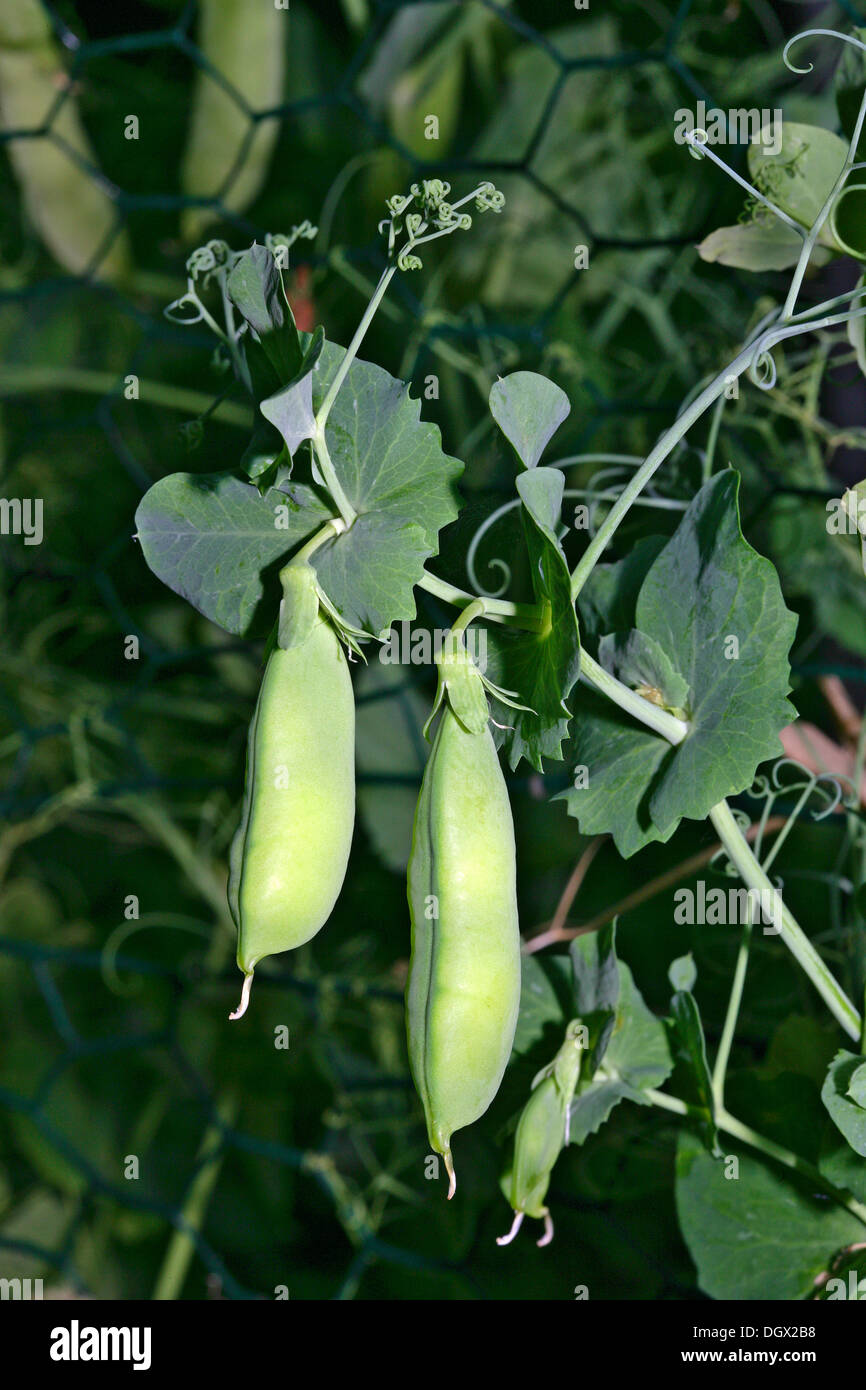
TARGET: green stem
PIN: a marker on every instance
(332, 482)
(523, 615)
(334, 527)
(733, 1011)
(352, 350)
(22, 381)
(653, 716)
(740, 854)
(814, 230)
(737, 1130)
(654, 459)
(175, 1265)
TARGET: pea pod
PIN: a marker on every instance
(244, 48)
(542, 1132)
(463, 990)
(289, 855)
(63, 193)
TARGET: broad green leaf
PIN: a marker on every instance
(689, 1032)
(760, 1236)
(637, 1058)
(391, 753)
(840, 1165)
(800, 177)
(543, 983)
(528, 408)
(847, 1114)
(255, 287)
(608, 598)
(770, 245)
(596, 989)
(392, 468)
(857, 1086)
(211, 538)
(638, 661)
(290, 410)
(613, 764)
(737, 692)
(856, 328)
(854, 504)
(541, 667)
(729, 642)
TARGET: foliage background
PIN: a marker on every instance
(304, 1168)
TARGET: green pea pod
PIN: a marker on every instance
(289, 855)
(463, 990)
(64, 196)
(542, 1132)
(244, 46)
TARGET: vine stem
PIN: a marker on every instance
(737, 1130)
(176, 1262)
(655, 718)
(740, 854)
(525, 615)
(654, 459)
(732, 1013)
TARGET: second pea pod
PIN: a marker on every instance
(289, 855)
(463, 990)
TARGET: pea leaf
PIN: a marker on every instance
(542, 667)
(730, 644)
(638, 660)
(689, 1031)
(763, 1236)
(798, 178)
(255, 287)
(754, 246)
(528, 408)
(212, 539)
(543, 984)
(209, 537)
(290, 409)
(596, 988)
(843, 1083)
(637, 1058)
(400, 482)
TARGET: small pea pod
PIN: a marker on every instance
(244, 47)
(289, 855)
(63, 192)
(463, 990)
(542, 1132)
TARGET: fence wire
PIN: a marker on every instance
(82, 734)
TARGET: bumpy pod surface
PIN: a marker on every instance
(289, 855)
(463, 990)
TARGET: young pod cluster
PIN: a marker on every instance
(463, 990)
(289, 855)
(542, 1133)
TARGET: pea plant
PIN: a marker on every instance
(659, 680)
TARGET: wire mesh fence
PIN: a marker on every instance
(123, 716)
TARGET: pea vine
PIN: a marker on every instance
(659, 680)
